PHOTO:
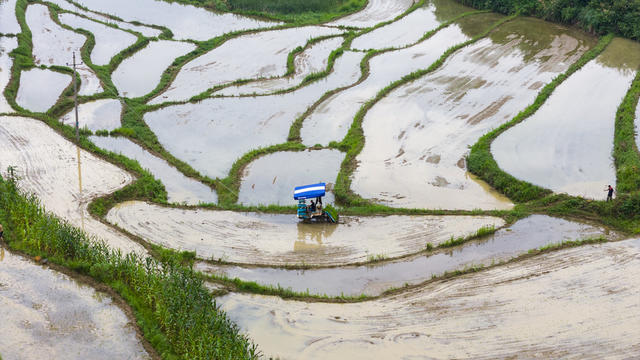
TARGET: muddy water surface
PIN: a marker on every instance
(332, 119)
(418, 135)
(582, 302)
(376, 11)
(8, 21)
(40, 89)
(312, 60)
(530, 233)
(109, 41)
(47, 165)
(180, 189)
(566, 145)
(96, 115)
(412, 27)
(139, 74)
(212, 134)
(46, 314)
(7, 44)
(184, 21)
(236, 59)
(54, 45)
(280, 239)
(266, 181)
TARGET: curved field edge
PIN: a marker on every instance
(480, 161)
(252, 287)
(621, 213)
(174, 310)
(353, 143)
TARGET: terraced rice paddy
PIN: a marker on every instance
(46, 312)
(109, 41)
(279, 239)
(420, 133)
(576, 157)
(231, 112)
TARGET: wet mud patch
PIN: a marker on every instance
(8, 21)
(375, 12)
(48, 314)
(7, 45)
(280, 239)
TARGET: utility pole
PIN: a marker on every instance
(75, 97)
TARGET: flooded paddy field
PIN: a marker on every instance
(236, 59)
(575, 157)
(139, 74)
(418, 136)
(312, 60)
(331, 120)
(96, 115)
(8, 21)
(180, 189)
(411, 27)
(562, 304)
(54, 45)
(578, 302)
(375, 12)
(211, 134)
(280, 239)
(40, 89)
(7, 44)
(46, 314)
(109, 41)
(201, 24)
(47, 165)
(265, 182)
(530, 233)
(144, 30)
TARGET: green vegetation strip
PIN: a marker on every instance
(595, 16)
(480, 160)
(354, 141)
(625, 151)
(174, 310)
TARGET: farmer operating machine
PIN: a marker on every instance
(315, 210)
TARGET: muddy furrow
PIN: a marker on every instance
(280, 239)
(47, 165)
(581, 302)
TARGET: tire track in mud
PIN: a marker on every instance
(578, 302)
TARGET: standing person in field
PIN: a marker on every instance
(1, 233)
(610, 192)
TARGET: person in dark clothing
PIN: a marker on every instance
(610, 192)
(1, 233)
(313, 206)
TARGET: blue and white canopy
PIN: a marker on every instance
(309, 191)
